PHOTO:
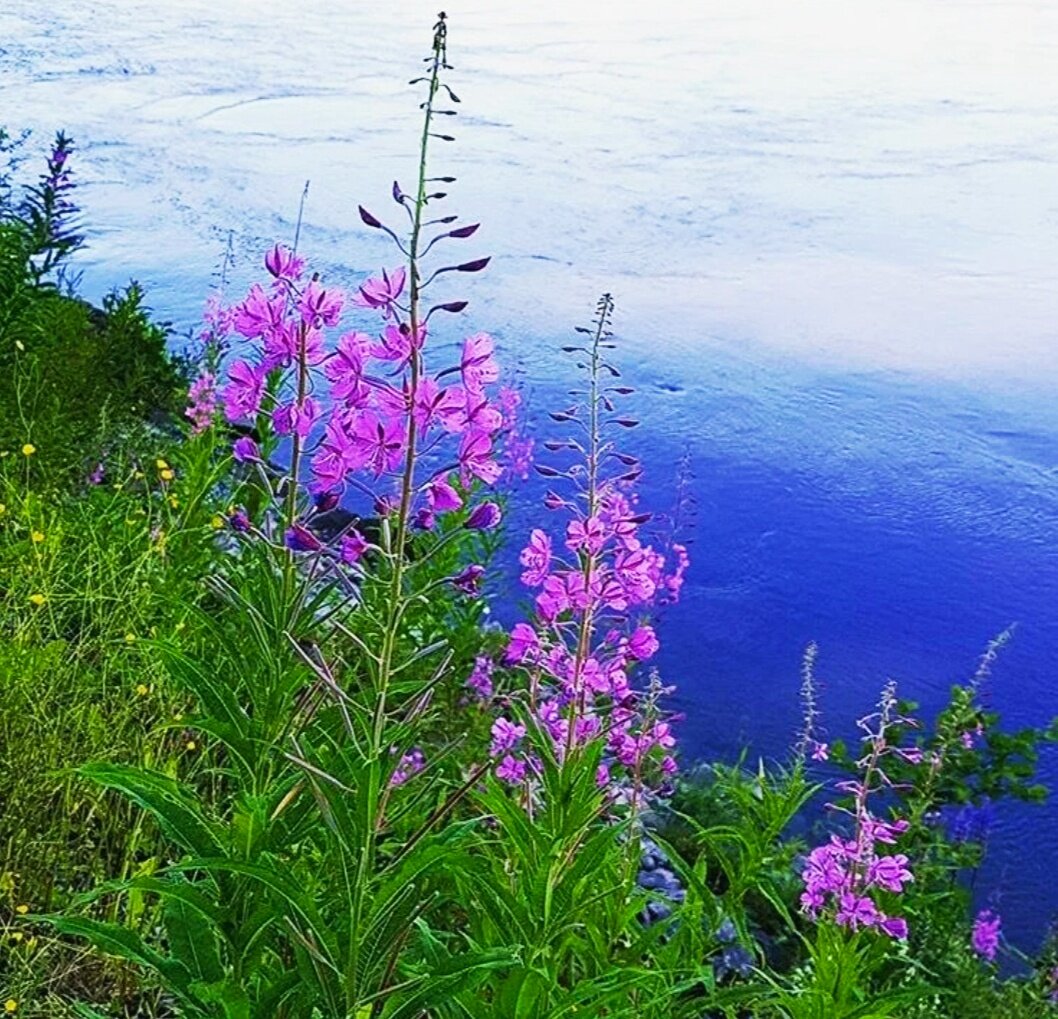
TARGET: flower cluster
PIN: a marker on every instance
(844, 876)
(596, 581)
(202, 397)
(984, 938)
(357, 409)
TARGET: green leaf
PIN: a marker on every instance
(114, 939)
(231, 997)
(172, 805)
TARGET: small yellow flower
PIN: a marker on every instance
(17, 937)
(217, 522)
(37, 537)
(130, 638)
(191, 744)
(167, 474)
(10, 1006)
(117, 486)
(178, 717)
(139, 475)
(29, 449)
(174, 502)
(142, 689)
(161, 465)
(37, 599)
(22, 909)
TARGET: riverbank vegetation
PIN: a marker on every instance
(265, 753)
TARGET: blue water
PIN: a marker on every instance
(832, 232)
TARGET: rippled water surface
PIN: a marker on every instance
(832, 232)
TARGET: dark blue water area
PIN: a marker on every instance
(861, 513)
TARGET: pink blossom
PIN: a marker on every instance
(378, 442)
(588, 534)
(523, 644)
(985, 936)
(511, 770)
(353, 547)
(283, 264)
(258, 314)
(319, 306)
(536, 558)
(243, 393)
(441, 496)
(506, 736)
(478, 366)
(382, 292)
(476, 459)
(643, 643)
(296, 419)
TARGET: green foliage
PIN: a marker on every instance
(77, 382)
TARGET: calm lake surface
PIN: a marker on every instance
(832, 233)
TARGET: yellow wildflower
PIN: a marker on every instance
(29, 449)
(17, 937)
(142, 689)
(37, 599)
(191, 744)
(217, 522)
(161, 464)
(167, 474)
(174, 502)
(37, 537)
(130, 638)
(22, 910)
(10, 1006)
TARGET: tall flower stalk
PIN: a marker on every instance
(590, 628)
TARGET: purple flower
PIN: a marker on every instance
(643, 643)
(239, 521)
(245, 449)
(524, 643)
(353, 547)
(301, 539)
(282, 263)
(889, 872)
(441, 496)
(382, 293)
(484, 517)
(480, 680)
(505, 736)
(244, 391)
(477, 365)
(536, 558)
(469, 580)
(985, 936)
(410, 764)
(511, 770)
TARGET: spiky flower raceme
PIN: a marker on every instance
(596, 580)
(845, 878)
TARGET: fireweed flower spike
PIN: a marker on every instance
(843, 877)
(984, 939)
(593, 578)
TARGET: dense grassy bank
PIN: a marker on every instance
(264, 754)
